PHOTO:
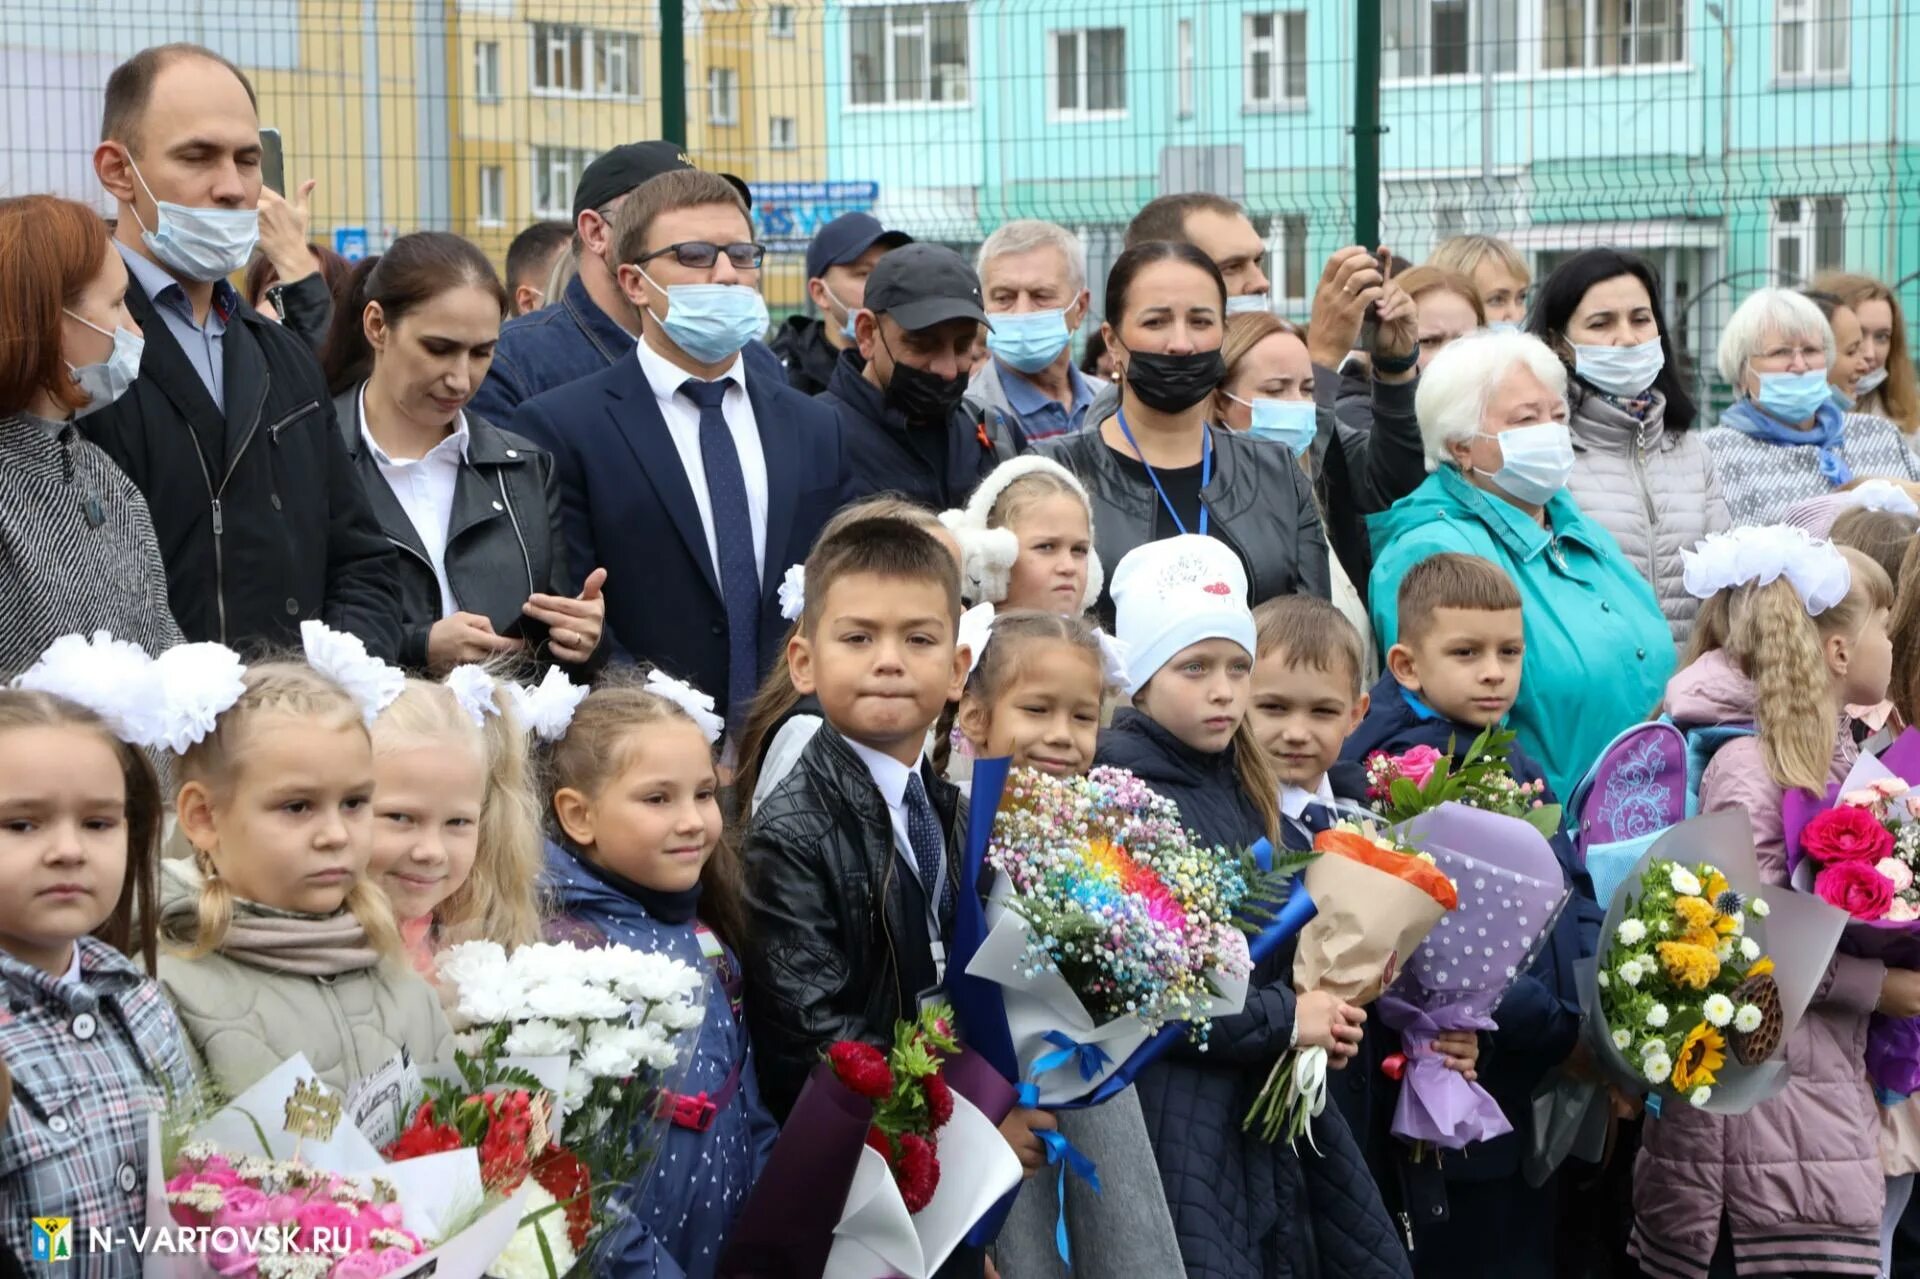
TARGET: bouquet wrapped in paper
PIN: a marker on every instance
(1378, 898)
(1510, 892)
(623, 1022)
(1400, 787)
(1859, 850)
(283, 1186)
(887, 1161)
(1703, 971)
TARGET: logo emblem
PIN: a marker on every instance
(52, 1239)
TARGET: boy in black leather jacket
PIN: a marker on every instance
(852, 862)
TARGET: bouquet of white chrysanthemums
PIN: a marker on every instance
(624, 1020)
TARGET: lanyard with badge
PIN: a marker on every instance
(1206, 472)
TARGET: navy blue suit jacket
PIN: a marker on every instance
(628, 507)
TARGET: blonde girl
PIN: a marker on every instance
(1793, 630)
(643, 861)
(1026, 539)
(92, 1046)
(277, 940)
(456, 823)
(782, 722)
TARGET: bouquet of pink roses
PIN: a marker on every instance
(1401, 787)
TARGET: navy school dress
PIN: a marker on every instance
(716, 1144)
(1243, 1207)
(1474, 1212)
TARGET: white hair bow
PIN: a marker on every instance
(546, 708)
(473, 687)
(1113, 659)
(1886, 496)
(344, 659)
(172, 702)
(697, 705)
(976, 629)
(1817, 571)
(793, 593)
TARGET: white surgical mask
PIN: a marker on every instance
(1620, 370)
(1247, 303)
(1535, 461)
(201, 244)
(1870, 381)
(108, 381)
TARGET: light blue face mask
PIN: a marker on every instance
(711, 322)
(1502, 326)
(1793, 397)
(200, 244)
(1620, 370)
(1535, 461)
(108, 381)
(846, 324)
(1289, 422)
(1028, 340)
(1247, 303)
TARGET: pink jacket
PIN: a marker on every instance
(1798, 1177)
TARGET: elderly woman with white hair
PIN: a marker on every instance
(1493, 417)
(1784, 439)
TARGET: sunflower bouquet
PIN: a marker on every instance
(1685, 984)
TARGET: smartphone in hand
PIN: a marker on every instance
(273, 161)
(1370, 327)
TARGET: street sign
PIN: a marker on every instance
(786, 214)
(350, 242)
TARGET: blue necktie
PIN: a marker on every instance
(1317, 817)
(929, 845)
(733, 540)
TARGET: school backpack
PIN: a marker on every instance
(1645, 781)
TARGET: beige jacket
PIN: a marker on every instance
(242, 1020)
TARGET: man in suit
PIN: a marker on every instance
(229, 430)
(693, 476)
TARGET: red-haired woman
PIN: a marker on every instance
(77, 550)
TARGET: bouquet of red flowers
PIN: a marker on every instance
(911, 1100)
(854, 1186)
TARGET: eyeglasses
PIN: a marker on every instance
(701, 254)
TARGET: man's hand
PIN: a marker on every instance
(283, 232)
(1349, 283)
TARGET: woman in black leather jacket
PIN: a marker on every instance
(474, 511)
(1157, 467)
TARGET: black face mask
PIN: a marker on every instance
(1174, 383)
(926, 399)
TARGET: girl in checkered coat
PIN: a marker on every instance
(91, 1043)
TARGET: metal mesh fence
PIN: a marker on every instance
(1733, 142)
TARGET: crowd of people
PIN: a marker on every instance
(1454, 499)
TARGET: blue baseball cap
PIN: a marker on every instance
(845, 238)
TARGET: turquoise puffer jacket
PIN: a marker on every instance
(1598, 647)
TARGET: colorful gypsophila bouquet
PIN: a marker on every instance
(1684, 983)
(621, 1018)
(1378, 898)
(1403, 786)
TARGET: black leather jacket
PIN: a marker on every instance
(504, 540)
(1258, 502)
(839, 941)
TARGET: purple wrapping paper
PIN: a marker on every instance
(1893, 1055)
(1510, 891)
(785, 1229)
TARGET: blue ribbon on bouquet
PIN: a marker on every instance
(1068, 1158)
(1092, 1058)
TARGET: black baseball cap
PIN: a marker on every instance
(614, 173)
(921, 285)
(845, 238)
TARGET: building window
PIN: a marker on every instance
(555, 172)
(1441, 37)
(723, 95)
(780, 21)
(1183, 41)
(1289, 257)
(783, 133)
(1811, 38)
(584, 62)
(1089, 72)
(908, 53)
(1611, 33)
(493, 195)
(1276, 68)
(486, 70)
(1809, 235)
